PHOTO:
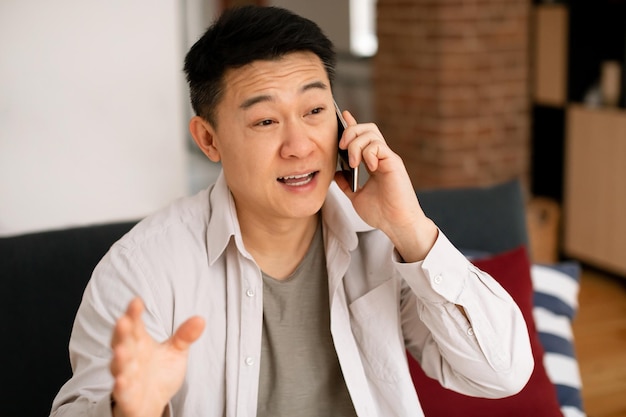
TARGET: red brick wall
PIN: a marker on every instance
(451, 91)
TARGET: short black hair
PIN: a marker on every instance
(245, 34)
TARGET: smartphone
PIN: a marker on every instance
(350, 174)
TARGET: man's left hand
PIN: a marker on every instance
(387, 200)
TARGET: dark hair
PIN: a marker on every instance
(242, 35)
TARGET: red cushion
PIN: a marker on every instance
(538, 398)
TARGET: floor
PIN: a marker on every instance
(600, 334)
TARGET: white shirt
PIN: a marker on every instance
(189, 259)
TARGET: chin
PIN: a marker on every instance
(303, 209)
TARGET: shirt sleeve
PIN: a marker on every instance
(486, 351)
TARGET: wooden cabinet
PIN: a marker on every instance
(595, 187)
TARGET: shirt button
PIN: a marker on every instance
(438, 279)
(250, 292)
(470, 331)
(249, 361)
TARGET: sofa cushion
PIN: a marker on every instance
(490, 219)
(556, 288)
(538, 398)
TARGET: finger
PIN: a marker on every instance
(124, 364)
(134, 315)
(120, 351)
(356, 131)
(372, 154)
(124, 390)
(126, 333)
(121, 389)
(135, 307)
(358, 137)
(187, 333)
(124, 346)
(368, 148)
(350, 120)
(134, 312)
(121, 330)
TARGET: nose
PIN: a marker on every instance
(297, 141)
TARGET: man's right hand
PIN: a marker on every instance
(147, 373)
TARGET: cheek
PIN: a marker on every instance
(247, 163)
(331, 145)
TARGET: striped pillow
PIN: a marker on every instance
(555, 304)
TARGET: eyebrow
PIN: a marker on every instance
(246, 104)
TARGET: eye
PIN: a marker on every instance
(316, 110)
(265, 122)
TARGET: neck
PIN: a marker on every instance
(278, 247)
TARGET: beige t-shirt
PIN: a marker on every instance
(300, 373)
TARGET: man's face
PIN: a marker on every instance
(276, 136)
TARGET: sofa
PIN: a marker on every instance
(491, 226)
(43, 275)
(42, 278)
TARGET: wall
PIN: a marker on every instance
(451, 88)
(93, 106)
(92, 111)
(332, 16)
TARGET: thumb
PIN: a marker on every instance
(187, 333)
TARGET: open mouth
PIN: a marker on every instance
(297, 180)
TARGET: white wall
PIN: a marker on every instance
(94, 107)
(93, 110)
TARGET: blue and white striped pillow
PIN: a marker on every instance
(555, 305)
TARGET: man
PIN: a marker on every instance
(279, 291)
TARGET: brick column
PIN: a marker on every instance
(451, 91)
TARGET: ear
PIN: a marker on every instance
(204, 136)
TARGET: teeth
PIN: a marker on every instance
(297, 180)
(296, 177)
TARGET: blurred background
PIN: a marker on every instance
(94, 112)
(94, 106)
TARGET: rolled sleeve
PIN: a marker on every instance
(440, 277)
(484, 352)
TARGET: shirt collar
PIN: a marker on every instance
(339, 217)
(223, 223)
